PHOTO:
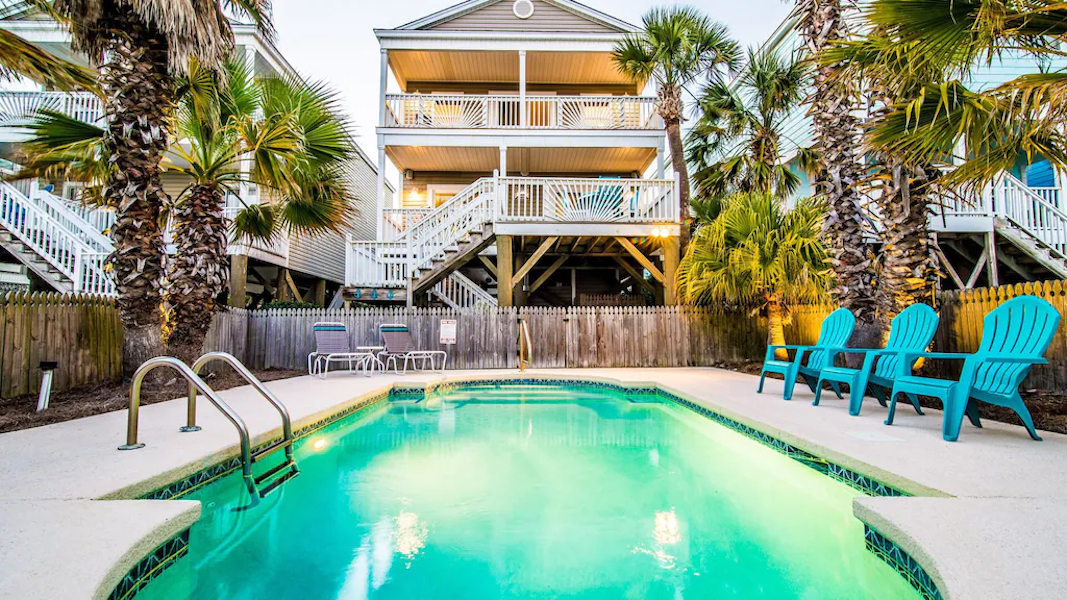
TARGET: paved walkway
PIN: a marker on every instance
(991, 530)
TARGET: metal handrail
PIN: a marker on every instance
(525, 346)
(198, 383)
(287, 427)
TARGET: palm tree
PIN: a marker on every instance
(19, 58)
(281, 135)
(942, 43)
(143, 44)
(757, 255)
(833, 101)
(736, 144)
(675, 47)
(296, 154)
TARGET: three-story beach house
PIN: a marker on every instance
(531, 171)
(63, 243)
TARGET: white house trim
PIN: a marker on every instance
(523, 138)
(513, 41)
(464, 8)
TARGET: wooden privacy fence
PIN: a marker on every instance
(84, 335)
(81, 333)
(617, 336)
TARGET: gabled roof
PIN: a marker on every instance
(470, 6)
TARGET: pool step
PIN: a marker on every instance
(262, 453)
(277, 481)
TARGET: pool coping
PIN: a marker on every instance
(886, 549)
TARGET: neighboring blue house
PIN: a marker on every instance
(1016, 232)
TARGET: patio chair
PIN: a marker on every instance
(836, 331)
(331, 345)
(911, 331)
(1015, 336)
(399, 346)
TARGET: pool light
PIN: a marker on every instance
(319, 444)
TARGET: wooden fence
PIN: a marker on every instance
(81, 333)
(84, 335)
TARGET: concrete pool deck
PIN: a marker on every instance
(990, 524)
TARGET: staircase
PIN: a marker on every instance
(54, 241)
(425, 257)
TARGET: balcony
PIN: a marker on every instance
(18, 107)
(440, 111)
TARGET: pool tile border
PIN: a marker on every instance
(902, 562)
(151, 566)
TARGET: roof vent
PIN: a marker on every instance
(523, 9)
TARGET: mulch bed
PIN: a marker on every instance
(20, 412)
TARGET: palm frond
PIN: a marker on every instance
(19, 57)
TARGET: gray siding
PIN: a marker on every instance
(324, 255)
(499, 17)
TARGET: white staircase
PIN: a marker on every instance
(424, 254)
(1020, 215)
(54, 241)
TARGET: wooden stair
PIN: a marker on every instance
(36, 263)
(453, 258)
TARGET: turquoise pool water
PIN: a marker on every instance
(532, 492)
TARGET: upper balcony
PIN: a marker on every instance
(448, 111)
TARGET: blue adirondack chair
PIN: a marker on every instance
(836, 331)
(911, 331)
(1014, 337)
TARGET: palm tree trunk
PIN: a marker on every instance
(198, 273)
(911, 266)
(671, 110)
(776, 314)
(137, 103)
(837, 137)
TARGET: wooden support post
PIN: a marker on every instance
(238, 279)
(991, 248)
(641, 258)
(282, 286)
(318, 293)
(548, 273)
(505, 284)
(670, 270)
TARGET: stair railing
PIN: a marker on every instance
(59, 210)
(459, 292)
(1032, 214)
(53, 242)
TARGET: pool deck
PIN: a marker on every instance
(990, 522)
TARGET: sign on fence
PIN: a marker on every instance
(448, 331)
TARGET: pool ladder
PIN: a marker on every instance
(273, 477)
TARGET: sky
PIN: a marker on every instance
(333, 40)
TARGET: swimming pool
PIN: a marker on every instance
(532, 491)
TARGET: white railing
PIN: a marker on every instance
(1031, 213)
(42, 234)
(389, 263)
(591, 112)
(459, 292)
(587, 200)
(1048, 194)
(504, 112)
(18, 107)
(66, 215)
(376, 264)
(396, 220)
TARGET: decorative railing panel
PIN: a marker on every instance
(18, 107)
(504, 112)
(587, 200)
